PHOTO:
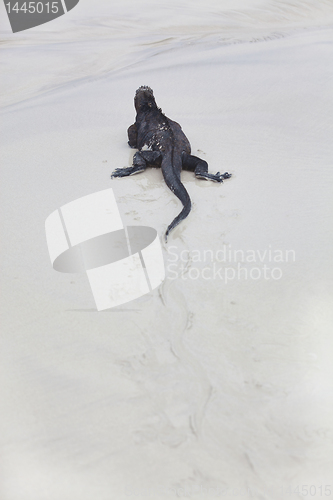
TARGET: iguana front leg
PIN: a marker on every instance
(200, 168)
(141, 160)
(132, 136)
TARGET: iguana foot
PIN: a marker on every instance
(200, 168)
(123, 172)
(212, 177)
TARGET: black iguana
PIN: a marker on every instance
(162, 143)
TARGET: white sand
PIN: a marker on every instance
(204, 389)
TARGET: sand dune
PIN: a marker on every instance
(107, 39)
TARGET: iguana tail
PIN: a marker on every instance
(171, 174)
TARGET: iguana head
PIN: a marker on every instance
(144, 99)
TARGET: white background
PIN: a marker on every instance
(200, 384)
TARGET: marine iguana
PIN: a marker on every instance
(162, 143)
